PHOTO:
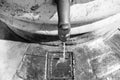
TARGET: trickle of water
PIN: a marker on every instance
(64, 50)
(62, 59)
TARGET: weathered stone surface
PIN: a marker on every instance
(44, 22)
(33, 63)
(94, 60)
(98, 60)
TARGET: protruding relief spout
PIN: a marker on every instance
(63, 8)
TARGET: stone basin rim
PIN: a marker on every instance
(75, 30)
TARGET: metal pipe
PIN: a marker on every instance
(63, 8)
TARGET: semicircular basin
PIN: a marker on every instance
(40, 16)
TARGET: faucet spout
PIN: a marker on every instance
(63, 8)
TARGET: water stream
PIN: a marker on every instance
(62, 59)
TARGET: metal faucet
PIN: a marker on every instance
(63, 8)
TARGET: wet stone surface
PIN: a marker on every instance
(93, 61)
(38, 64)
(60, 70)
